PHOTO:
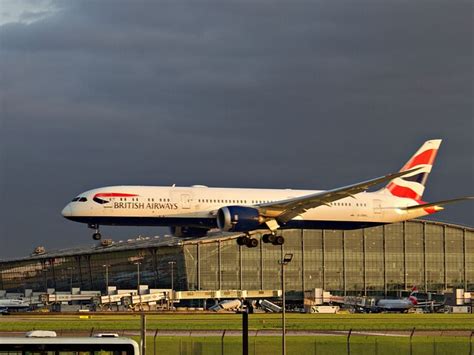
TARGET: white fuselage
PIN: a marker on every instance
(197, 205)
(395, 305)
(13, 303)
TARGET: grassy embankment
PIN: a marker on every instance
(233, 322)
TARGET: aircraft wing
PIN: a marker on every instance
(284, 211)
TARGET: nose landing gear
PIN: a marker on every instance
(96, 235)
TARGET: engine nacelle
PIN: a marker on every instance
(238, 219)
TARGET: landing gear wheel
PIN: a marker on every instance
(242, 241)
(268, 238)
(96, 235)
(247, 241)
(252, 242)
(279, 240)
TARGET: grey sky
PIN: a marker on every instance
(244, 94)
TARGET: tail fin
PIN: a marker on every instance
(412, 298)
(413, 185)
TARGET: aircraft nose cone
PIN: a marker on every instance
(67, 212)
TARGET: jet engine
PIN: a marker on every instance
(238, 219)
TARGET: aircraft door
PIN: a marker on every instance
(186, 201)
(182, 198)
(377, 206)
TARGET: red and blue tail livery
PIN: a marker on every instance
(413, 185)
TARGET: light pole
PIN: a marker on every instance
(171, 264)
(283, 262)
(106, 277)
(138, 284)
(138, 276)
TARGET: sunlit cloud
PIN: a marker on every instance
(26, 11)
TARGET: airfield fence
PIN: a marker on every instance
(229, 342)
(334, 343)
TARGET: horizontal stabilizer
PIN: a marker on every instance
(438, 203)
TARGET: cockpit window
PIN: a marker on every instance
(82, 199)
(99, 200)
(75, 199)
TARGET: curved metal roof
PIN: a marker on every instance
(141, 242)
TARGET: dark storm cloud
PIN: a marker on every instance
(305, 95)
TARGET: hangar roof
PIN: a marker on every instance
(141, 242)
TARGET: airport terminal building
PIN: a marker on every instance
(382, 260)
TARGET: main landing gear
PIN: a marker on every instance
(272, 238)
(247, 241)
(266, 238)
(96, 235)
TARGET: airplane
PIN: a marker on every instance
(392, 305)
(398, 305)
(194, 211)
(12, 304)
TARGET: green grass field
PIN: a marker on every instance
(233, 322)
(360, 345)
